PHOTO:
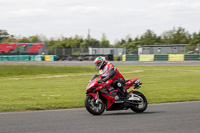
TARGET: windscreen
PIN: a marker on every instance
(93, 77)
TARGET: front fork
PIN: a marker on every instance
(96, 96)
(97, 100)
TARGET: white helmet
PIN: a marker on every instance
(99, 62)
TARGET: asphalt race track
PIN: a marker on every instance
(181, 117)
(116, 63)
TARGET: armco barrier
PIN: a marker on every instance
(10, 58)
(50, 58)
(146, 58)
(39, 58)
(53, 58)
(47, 58)
(160, 57)
(4, 58)
(27, 58)
(24, 58)
(132, 57)
(15, 58)
(176, 57)
(32, 57)
(170, 57)
(117, 58)
(191, 57)
(123, 57)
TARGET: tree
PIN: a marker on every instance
(117, 44)
(175, 36)
(194, 42)
(149, 38)
(120, 43)
(51, 43)
(34, 39)
(11, 38)
(3, 35)
(60, 44)
(73, 42)
(195, 39)
(104, 42)
(90, 43)
(24, 40)
(70, 43)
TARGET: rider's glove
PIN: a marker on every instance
(100, 81)
(103, 80)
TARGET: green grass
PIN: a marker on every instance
(34, 87)
(17, 70)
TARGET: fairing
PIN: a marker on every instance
(105, 89)
(130, 82)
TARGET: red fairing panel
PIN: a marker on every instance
(110, 100)
(110, 96)
(95, 95)
(130, 83)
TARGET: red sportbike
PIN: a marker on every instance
(100, 97)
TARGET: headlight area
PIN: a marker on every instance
(90, 86)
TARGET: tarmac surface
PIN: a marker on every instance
(116, 63)
(180, 117)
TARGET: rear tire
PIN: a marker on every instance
(92, 107)
(141, 106)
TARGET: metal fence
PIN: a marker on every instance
(85, 51)
(103, 51)
(67, 51)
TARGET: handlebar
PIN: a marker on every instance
(100, 81)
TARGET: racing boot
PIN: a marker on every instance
(126, 94)
(123, 90)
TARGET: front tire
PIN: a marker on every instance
(93, 107)
(142, 105)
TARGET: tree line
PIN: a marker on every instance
(175, 35)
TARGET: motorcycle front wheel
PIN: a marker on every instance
(141, 106)
(95, 108)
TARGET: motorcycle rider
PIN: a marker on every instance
(108, 71)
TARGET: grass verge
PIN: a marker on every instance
(35, 87)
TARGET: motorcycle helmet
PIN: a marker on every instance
(99, 62)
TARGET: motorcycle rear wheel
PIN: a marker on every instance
(141, 106)
(93, 107)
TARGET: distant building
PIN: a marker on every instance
(105, 51)
(161, 49)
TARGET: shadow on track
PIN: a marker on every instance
(133, 113)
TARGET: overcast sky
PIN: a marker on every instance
(115, 18)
